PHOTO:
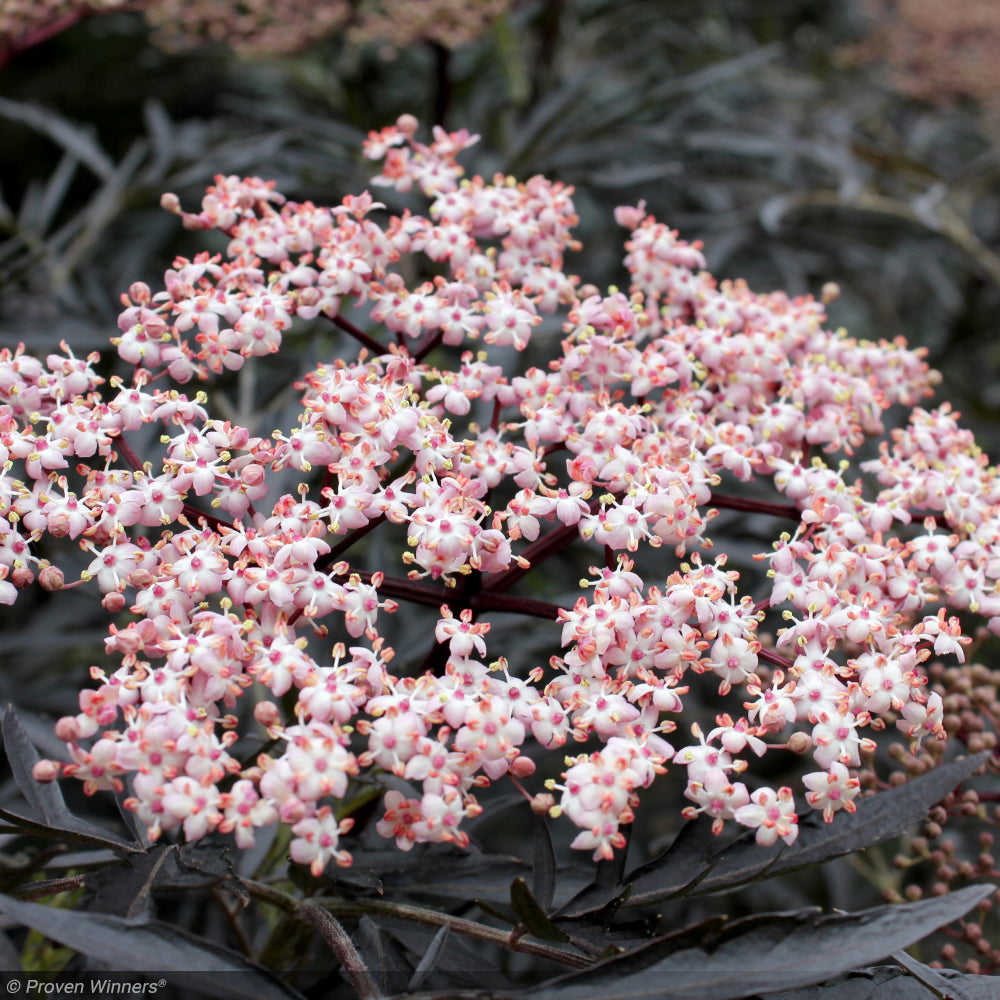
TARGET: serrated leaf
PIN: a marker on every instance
(530, 913)
(46, 799)
(694, 863)
(775, 952)
(130, 946)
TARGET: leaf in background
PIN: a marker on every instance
(543, 871)
(46, 799)
(384, 957)
(153, 947)
(530, 913)
(694, 863)
(429, 959)
(778, 951)
(61, 131)
(122, 889)
(487, 876)
(889, 982)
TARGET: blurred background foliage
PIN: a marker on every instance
(804, 141)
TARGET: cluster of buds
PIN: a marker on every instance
(654, 410)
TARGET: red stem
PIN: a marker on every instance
(359, 335)
(756, 506)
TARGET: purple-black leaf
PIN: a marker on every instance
(695, 863)
(889, 982)
(153, 948)
(543, 871)
(530, 913)
(52, 817)
(774, 952)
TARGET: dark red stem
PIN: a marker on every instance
(359, 335)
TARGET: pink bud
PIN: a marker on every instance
(113, 602)
(51, 578)
(22, 576)
(139, 291)
(266, 713)
(407, 124)
(46, 770)
(59, 525)
(171, 203)
(522, 767)
(542, 803)
(253, 474)
(67, 729)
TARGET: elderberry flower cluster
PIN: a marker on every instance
(655, 410)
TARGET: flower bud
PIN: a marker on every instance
(266, 713)
(522, 767)
(171, 203)
(800, 743)
(51, 578)
(407, 124)
(22, 576)
(542, 803)
(139, 291)
(46, 770)
(67, 729)
(113, 602)
(253, 474)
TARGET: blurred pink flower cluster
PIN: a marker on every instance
(655, 410)
(257, 27)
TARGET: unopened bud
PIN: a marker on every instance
(51, 578)
(142, 578)
(46, 770)
(139, 291)
(113, 602)
(407, 124)
(266, 713)
(309, 296)
(830, 292)
(522, 767)
(170, 202)
(253, 474)
(22, 576)
(67, 729)
(800, 743)
(542, 803)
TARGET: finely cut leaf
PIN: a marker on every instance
(46, 799)
(543, 871)
(62, 131)
(152, 947)
(779, 951)
(888, 982)
(529, 911)
(429, 960)
(694, 862)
